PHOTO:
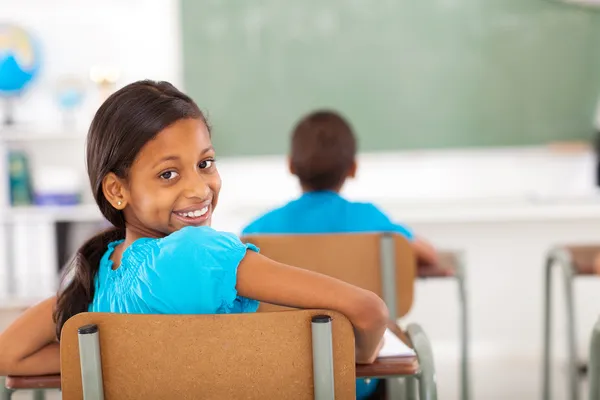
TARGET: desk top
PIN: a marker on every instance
(447, 266)
(583, 258)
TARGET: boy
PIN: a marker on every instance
(323, 156)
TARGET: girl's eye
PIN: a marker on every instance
(168, 175)
(206, 164)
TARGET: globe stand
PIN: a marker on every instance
(9, 119)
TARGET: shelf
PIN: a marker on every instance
(78, 213)
(31, 134)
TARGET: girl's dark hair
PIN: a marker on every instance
(124, 123)
(323, 150)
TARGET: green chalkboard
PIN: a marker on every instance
(408, 74)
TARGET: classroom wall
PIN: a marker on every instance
(139, 37)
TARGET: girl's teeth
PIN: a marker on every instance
(195, 214)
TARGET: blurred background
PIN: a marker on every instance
(477, 123)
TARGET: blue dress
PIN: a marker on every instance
(191, 271)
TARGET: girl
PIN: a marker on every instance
(152, 169)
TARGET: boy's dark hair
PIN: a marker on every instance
(124, 123)
(323, 150)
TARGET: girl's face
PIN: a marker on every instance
(172, 183)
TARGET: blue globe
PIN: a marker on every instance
(19, 59)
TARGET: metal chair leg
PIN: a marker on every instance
(464, 327)
(427, 378)
(594, 367)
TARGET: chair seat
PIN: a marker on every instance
(33, 382)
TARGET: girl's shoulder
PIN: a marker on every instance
(186, 247)
(193, 270)
(209, 238)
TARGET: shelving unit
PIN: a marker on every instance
(28, 240)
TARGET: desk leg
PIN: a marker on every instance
(395, 389)
(571, 341)
(561, 258)
(464, 337)
(39, 395)
(422, 346)
(411, 388)
(547, 327)
(594, 369)
(5, 394)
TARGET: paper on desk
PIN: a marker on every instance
(394, 347)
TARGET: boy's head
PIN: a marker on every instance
(323, 153)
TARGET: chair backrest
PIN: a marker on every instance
(359, 259)
(234, 356)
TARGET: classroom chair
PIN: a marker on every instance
(574, 262)
(305, 354)
(594, 367)
(451, 266)
(382, 263)
(383, 368)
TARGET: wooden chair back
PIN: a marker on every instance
(234, 356)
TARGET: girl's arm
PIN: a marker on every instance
(263, 279)
(28, 346)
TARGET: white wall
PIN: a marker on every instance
(139, 37)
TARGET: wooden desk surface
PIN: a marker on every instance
(390, 366)
(33, 382)
(583, 258)
(445, 268)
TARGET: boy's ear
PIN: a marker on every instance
(115, 191)
(291, 166)
(352, 171)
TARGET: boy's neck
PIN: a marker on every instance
(306, 190)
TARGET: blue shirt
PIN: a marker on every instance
(327, 212)
(191, 271)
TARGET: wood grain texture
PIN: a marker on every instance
(353, 258)
(237, 356)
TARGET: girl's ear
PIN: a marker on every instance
(115, 191)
